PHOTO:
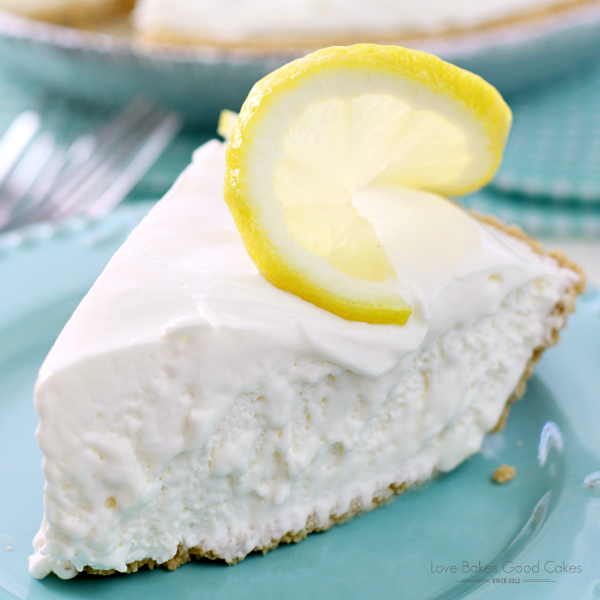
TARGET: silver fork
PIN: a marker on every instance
(43, 180)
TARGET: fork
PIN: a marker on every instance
(44, 180)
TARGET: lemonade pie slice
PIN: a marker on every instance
(191, 408)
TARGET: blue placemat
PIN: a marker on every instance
(554, 146)
(537, 216)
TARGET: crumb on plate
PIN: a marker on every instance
(504, 473)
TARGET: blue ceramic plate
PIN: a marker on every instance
(538, 536)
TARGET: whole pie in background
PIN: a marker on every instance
(286, 23)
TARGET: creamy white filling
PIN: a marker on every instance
(190, 401)
(234, 20)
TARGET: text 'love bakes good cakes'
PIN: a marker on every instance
(264, 361)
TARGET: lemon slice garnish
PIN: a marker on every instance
(320, 128)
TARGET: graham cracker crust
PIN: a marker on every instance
(563, 308)
(84, 16)
(185, 555)
(504, 474)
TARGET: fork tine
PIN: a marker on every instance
(108, 142)
(38, 191)
(150, 150)
(44, 181)
(110, 168)
(29, 166)
(59, 171)
(16, 139)
(24, 174)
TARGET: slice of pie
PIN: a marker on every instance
(191, 408)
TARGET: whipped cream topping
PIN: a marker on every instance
(234, 20)
(189, 401)
(187, 264)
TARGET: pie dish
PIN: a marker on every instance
(109, 64)
(277, 26)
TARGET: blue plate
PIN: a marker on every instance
(538, 536)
